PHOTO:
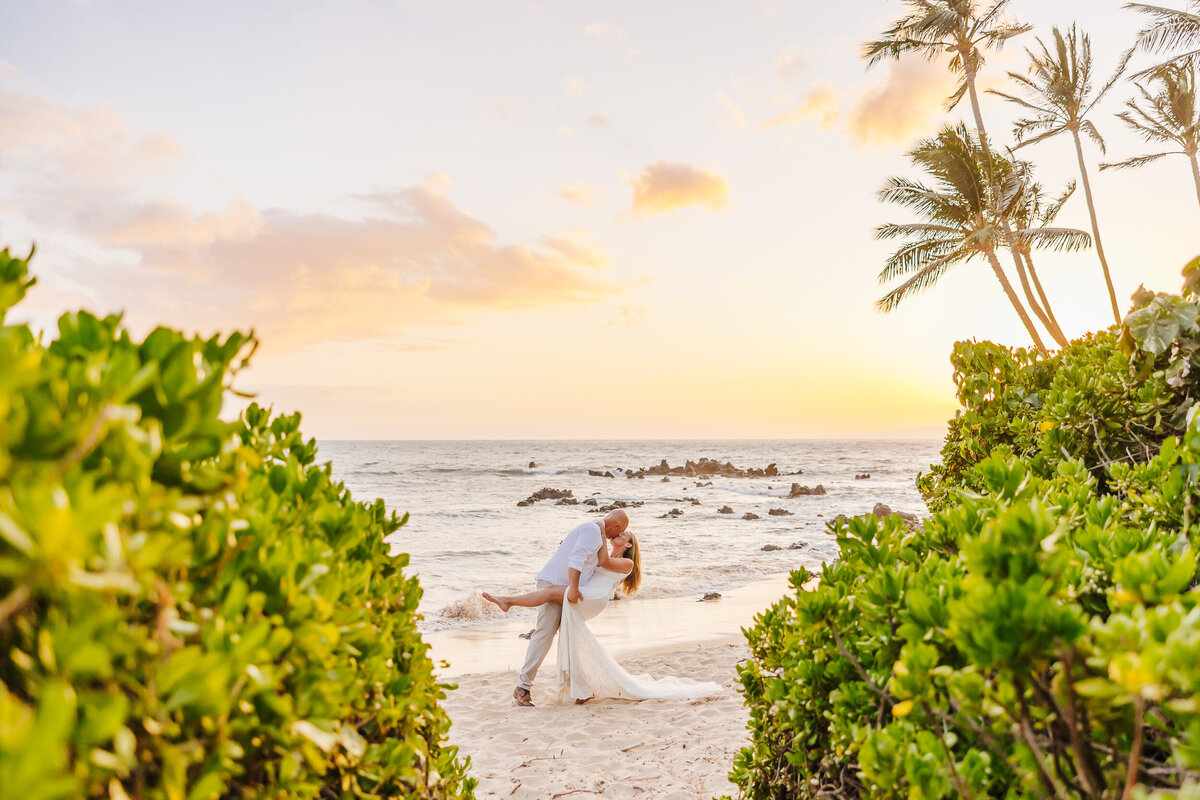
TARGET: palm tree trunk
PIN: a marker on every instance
(1016, 301)
(1195, 173)
(1034, 306)
(1041, 292)
(1087, 192)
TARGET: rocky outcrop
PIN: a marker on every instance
(862, 477)
(797, 545)
(567, 501)
(710, 596)
(803, 491)
(724, 510)
(615, 504)
(546, 494)
(591, 501)
(533, 465)
(882, 511)
(674, 512)
(705, 468)
(768, 548)
(750, 515)
(779, 512)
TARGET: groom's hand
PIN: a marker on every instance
(574, 595)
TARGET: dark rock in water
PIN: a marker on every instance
(750, 515)
(711, 596)
(801, 491)
(527, 635)
(779, 512)
(862, 477)
(595, 473)
(666, 479)
(608, 474)
(724, 510)
(567, 501)
(523, 503)
(797, 545)
(615, 504)
(533, 465)
(705, 483)
(693, 500)
(547, 494)
(767, 548)
(591, 501)
(882, 511)
(674, 512)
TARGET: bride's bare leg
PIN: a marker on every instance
(549, 594)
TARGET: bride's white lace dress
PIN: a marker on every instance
(585, 669)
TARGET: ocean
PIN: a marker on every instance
(466, 533)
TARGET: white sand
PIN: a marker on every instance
(668, 749)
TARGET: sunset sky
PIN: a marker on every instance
(534, 220)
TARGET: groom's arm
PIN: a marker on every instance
(573, 595)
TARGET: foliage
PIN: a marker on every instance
(1109, 397)
(189, 607)
(1039, 634)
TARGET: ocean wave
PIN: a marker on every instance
(470, 610)
(544, 471)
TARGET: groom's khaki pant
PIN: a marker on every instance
(549, 615)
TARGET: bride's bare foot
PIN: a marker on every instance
(497, 600)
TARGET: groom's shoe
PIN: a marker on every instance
(521, 695)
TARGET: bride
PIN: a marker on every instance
(585, 669)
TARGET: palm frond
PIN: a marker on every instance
(918, 283)
(1058, 239)
(1139, 161)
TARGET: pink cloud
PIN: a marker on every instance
(664, 186)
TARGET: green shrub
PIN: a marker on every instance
(1039, 634)
(189, 607)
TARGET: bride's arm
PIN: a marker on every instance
(606, 560)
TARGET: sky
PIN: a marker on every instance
(512, 220)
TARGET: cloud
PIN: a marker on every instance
(606, 29)
(789, 65)
(734, 118)
(574, 86)
(908, 101)
(95, 143)
(503, 108)
(663, 186)
(8, 72)
(578, 193)
(820, 104)
(598, 121)
(413, 258)
(631, 317)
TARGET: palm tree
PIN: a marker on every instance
(1034, 212)
(963, 28)
(960, 219)
(1059, 92)
(1169, 28)
(1171, 116)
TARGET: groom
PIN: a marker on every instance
(572, 564)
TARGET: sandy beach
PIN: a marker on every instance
(668, 749)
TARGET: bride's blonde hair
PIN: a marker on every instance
(634, 579)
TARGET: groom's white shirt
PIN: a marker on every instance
(578, 550)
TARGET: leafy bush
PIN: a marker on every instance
(191, 608)
(1039, 634)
